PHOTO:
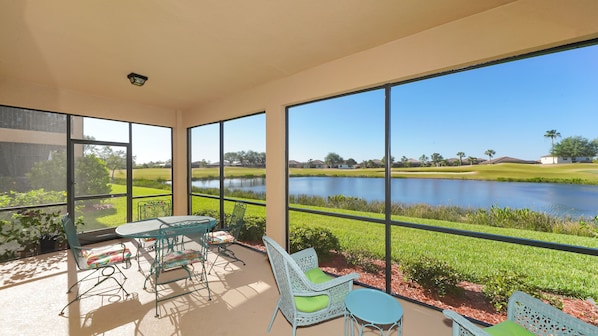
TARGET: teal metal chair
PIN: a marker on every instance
(221, 240)
(102, 261)
(307, 294)
(149, 210)
(526, 315)
(180, 245)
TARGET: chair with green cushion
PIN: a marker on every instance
(307, 294)
(526, 315)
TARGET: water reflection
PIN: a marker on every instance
(552, 198)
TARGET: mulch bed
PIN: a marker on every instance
(472, 303)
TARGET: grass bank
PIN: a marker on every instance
(475, 259)
(562, 173)
(578, 173)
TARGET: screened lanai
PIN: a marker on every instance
(217, 70)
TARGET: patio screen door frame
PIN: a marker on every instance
(72, 198)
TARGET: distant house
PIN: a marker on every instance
(378, 163)
(414, 163)
(318, 164)
(549, 159)
(295, 164)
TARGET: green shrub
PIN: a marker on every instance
(433, 275)
(494, 216)
(364, 259)
(321, 239)
(254, 229)
(307, 200)
(209, 213)
(346, 202)
(248, 194)
(37, 196)
(22, 234)
(500, 285)
(158, 183)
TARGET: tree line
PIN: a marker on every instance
(573, 146)
(435, 160)
(570, 147)
(248, 158)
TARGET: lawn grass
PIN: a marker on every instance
(475, 259)
(585, 173)
(198, 173)
(116, 215)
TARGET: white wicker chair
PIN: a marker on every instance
(292, 274)
(530, 316)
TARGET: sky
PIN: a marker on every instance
(507, 108)
(150, 143)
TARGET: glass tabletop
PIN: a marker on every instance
(150, 228)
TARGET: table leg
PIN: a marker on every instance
(349, 325)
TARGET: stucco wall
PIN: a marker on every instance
(513, 29)
(510, 30)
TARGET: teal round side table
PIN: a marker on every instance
(375, 309)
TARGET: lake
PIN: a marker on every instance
(553, 198)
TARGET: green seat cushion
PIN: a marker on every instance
(310, 304)
(317, 276)
(507, 328)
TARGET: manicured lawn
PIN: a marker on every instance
(116, 215)
(475, 259)
(577, 173)
(573, 173)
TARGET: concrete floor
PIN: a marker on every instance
(33, 291)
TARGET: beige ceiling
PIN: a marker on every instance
(197, 50)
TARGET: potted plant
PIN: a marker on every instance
(15, 240)
(40, 230)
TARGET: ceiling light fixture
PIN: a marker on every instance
(136, 79)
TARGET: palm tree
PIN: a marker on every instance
(490, 154)
(460, 155)
(424, 160)
(436, 158)
(552, 134)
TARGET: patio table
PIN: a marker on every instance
(370, 308)
(150, 228)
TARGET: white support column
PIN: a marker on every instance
(276, 173)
